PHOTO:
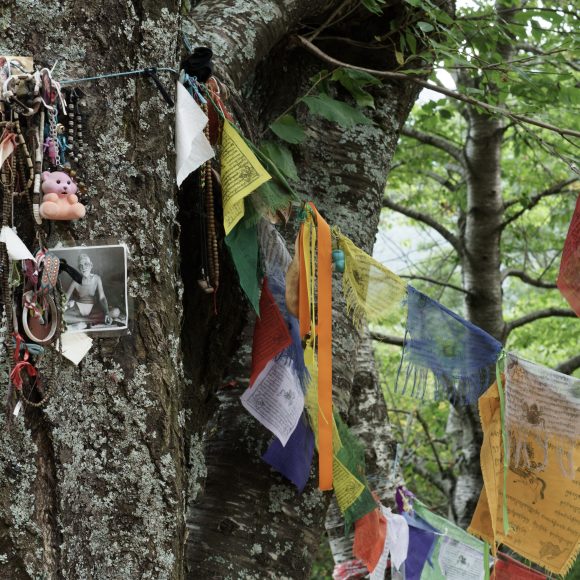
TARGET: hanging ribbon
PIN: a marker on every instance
(499, 369)
(318, 268)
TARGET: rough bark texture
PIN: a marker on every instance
(97, 485)
(92, 486)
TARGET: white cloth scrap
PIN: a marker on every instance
(396, 544)
(191, 145)
(276, 399)
(16, 248)
(75, 345)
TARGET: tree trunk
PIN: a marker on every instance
(98, 483)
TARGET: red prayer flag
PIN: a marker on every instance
(507, 568)
(569, 278)
(271, 334)
(370, 533)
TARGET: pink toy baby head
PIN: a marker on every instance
(60, 201)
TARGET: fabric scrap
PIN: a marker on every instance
(370, 532)
(276, 399)
(294, 460)
(422, 541)
(271, 335)
(569, 277)
(371, 290)
(243, 245)
(192, 148)
(445, 353)
(507, 568)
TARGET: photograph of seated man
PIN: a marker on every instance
(89, 303)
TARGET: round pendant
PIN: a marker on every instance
(41, 330)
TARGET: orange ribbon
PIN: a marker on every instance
(323, 328)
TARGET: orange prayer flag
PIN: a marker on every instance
(370, 533)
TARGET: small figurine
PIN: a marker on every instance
(59, 201)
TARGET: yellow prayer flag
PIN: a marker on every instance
(241, 173)
(346, 486)
(543, 493)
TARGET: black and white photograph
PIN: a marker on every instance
(98, 303)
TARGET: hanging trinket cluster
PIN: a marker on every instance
(41, 151)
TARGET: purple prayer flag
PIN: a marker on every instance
(421, 543)
(294, 460)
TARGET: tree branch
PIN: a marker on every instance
(569, 366)
(435, 141)
(398, 76)
(386, 338)
(556, 189)
(528, 279)
(437, 282)
(427, 220)
(537, 315)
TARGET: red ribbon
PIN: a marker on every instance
(15, 376)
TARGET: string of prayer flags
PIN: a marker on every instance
(192, 148)
(506, 568)
(370, 533)
(370, 289)
(271, 334)
(569, 277)
(422, 538)
(294, 460)
(456, 554)
(241, 174)
(316, 272)
(276, 399)
(445, 350)
(543, 503)
(242, 242)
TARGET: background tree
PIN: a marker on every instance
(143, 434)
(498, 195)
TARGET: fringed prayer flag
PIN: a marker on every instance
(569, 277)
(294, 460)
(541, 501)
(441, 347)
(370, 289)
(370, 533)
(507, 568)
(271, 334)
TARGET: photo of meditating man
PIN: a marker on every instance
(98, 303)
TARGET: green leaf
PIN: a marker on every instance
(445, 114)
(411, 41)
(280, 156)
(425, 26)
(400, 57)
(354, 81)
(374, 6)
(288, 129)
(337, 111)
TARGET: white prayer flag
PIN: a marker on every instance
(16, 248)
